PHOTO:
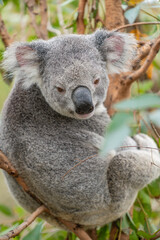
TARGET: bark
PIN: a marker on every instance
(114, 14)
(80, 20)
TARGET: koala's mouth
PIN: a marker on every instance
(84, 116)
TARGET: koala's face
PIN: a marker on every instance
(74, 83)
(78, 92)
(71, 71)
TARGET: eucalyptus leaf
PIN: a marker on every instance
(155, 117)
(141, 102)
(131, 222)
(116, 132)
(145, 235)
(132, 14)
(154, 188)
(35, 234)
(9, 229)
(145, 201)
(5, 210)
(66, 2)
(133, 236)
(102, 233)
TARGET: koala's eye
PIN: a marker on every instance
(60, 90)
(96, 82)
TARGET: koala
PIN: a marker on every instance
(54, 118)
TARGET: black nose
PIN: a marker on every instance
(82, 99)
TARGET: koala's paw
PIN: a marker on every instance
(146, 143)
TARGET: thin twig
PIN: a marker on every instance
(81, 161)
(13, 233)
(158, 149)
(155, 130)
(136, 24)
(92, 156)
(150, 129)
(145, 215)
(157, 236)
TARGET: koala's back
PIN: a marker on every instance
(43, 145)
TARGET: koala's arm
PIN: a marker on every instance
(135, 166)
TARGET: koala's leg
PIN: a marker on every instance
(28, 203)
(136, 165)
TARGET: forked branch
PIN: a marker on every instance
(75, 228)
(153, 52)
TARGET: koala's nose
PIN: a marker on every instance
(82, 99)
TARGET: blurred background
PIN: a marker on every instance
(62, 19)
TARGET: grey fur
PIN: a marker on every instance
(43, 137)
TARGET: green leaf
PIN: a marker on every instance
(5, 210)
(1, 2)
(103, 232)
(154, 188)
(131, 222)
(143, 87)
(139, 103)
(155, 117)
(145, 201)
(66, 2)
(35, 234)
(132, 14)
(133, 236)
(116, 132)
(9, 229)
(20, 211)
(145, 235)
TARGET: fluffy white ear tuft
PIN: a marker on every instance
(22, 61)
(117, 49)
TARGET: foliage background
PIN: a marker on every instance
(145, 220)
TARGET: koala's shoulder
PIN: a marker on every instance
(22, 104)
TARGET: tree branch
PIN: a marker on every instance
(120, 84)
(6, 39)
(142, 53)
(13, 233)
(6, 165)
(114, 14)
(153, 52)
(80, 21)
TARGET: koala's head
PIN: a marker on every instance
(71, 71)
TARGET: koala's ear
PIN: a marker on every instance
(116, 49)
(22, 60)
